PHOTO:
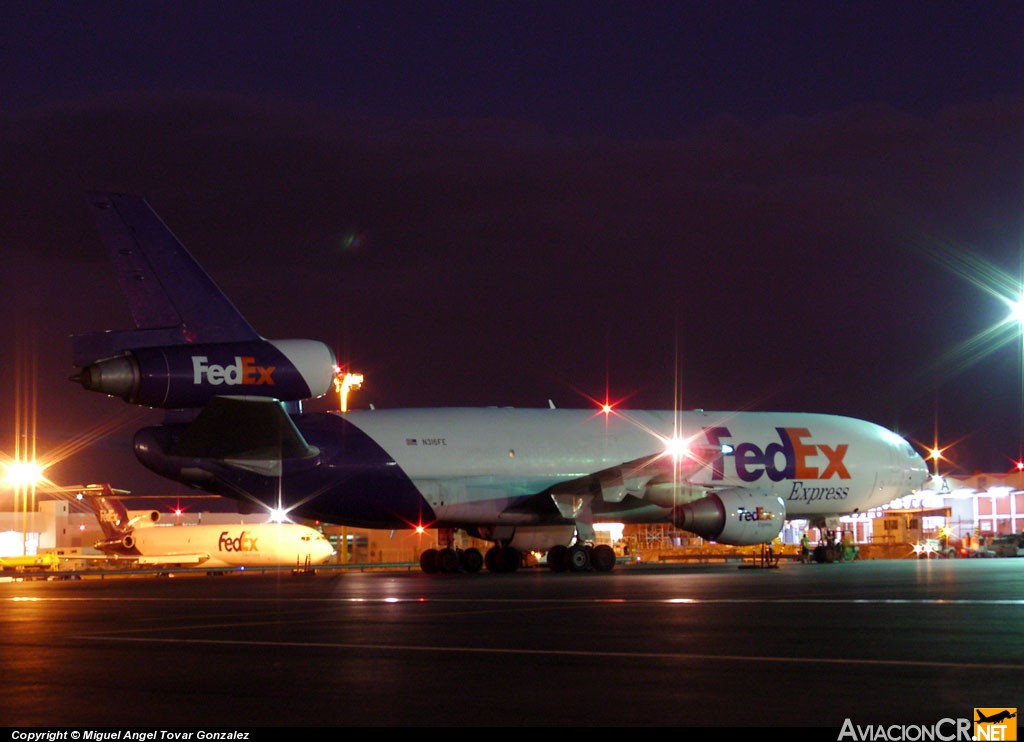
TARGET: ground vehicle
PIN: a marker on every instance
(1009, 545)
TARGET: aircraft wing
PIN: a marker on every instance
(173, 559)
(631, 485)
(168, 559)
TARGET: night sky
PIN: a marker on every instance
(741, 205)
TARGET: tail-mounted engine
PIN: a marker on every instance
(180, 376)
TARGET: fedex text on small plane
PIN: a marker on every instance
(243, 371)
(242, 542)
(794, 456)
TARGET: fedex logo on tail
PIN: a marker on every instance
(794, 456)
(243, 371)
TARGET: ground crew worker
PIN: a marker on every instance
(805, 548)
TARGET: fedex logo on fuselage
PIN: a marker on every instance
(243, 371)
(794, 456)
(241, 542)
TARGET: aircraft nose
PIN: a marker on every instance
(915, 469)
(907, 471)
(921, 472)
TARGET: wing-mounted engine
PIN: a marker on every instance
(734, 516)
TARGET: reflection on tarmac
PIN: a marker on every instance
(878, 642)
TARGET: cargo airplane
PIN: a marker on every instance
(136, 536)
(522, 479)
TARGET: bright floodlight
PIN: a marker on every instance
(1016, 309)
(22, 473)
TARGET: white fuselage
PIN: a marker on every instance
(250, 545)
(468, 463)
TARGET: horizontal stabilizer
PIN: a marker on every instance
(254, 428)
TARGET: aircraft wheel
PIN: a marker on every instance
(556, 558)
(578, 558)
(509, 559)
(491, 558)
(603, 558)
(471, 560)
(429, 561)
(447, 560)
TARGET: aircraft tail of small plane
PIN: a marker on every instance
(110, 512)
(113, 517)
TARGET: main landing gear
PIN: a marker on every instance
(501, 559)
(448, 559)
(580, 558)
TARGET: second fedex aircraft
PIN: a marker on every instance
(523, 479)
(138, 538)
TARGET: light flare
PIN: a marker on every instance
(997, 283)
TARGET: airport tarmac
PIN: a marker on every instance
(710, 645)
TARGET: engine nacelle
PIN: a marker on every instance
(736, 517)
(180, 376)
(142, 518)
